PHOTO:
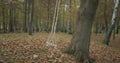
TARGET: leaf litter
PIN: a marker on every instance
(22, 48)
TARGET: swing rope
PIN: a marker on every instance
(51, 41)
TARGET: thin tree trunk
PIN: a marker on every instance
(32, 13)
(117, 28)
(14, 19)
(105, 16)
(96, 28)
(3, 13)
(29, 18)
(48, 16)
(11, 18)
(112, 26)
(70, 18)
(114, 34)
(25, 17)
(64, 29)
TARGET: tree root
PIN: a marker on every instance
(80, 56)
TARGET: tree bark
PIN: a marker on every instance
(105, 16)
(3, 12)
(32, 13)
(79, 46)
(11, 18)
(112, 26)
(117, 28)
(48, 17)
(29, 18)
(25, 17)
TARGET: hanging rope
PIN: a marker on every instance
(51, 41)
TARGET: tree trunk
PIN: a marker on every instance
(79, 46)
(63, 15)
(29, 18)
(14, 19)
(25, 17)
(96, 28)
(105, 16)
(48, 17)
(112, 26)
(3, 12)
(114, 33)
(117, 28)
(11, 18)
(70, 17)
(32, 13)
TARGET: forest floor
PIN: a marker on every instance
(22, 48)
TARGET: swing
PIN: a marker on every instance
(51, 41)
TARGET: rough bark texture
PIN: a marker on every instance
(79, 46)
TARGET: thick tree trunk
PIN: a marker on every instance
(112, 26)
(79, 46)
